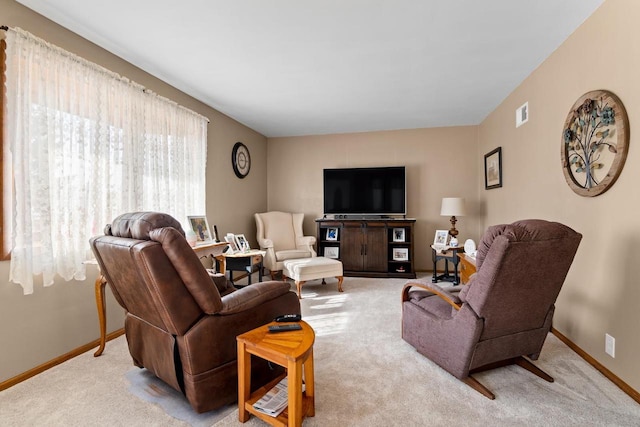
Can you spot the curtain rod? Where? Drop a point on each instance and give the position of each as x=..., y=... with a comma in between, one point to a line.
x=145, y=90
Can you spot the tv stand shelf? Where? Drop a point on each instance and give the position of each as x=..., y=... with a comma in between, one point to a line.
x=380, y=247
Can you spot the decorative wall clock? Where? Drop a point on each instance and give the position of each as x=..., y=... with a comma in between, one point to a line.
x=241, y=160
x=595, y=142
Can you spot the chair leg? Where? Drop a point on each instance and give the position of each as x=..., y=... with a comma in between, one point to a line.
x=299, y=284
x=520, y=361
x=274, y=274
x=475, y=384
x=524, y=363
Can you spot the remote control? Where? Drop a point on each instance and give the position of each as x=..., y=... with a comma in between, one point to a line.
x=284, y=328
x=288, y=318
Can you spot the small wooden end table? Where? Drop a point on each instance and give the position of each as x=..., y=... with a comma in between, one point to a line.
x=292, y=350
x=449, y=254
x=244, y=261
x=467, y=267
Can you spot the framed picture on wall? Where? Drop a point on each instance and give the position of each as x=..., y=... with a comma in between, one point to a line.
x=493, y=169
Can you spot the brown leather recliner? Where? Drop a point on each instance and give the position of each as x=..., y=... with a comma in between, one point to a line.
x=504, y=312
x=177, y=325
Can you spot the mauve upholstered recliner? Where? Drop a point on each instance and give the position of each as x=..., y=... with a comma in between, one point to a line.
x=504, y=312
x=177, y=324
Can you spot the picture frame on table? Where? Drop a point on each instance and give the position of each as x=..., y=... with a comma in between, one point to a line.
x=398, y=235
x=401, y=254
x=242, y=243
x=441, y=238
x=332, y=233
x=493, y=169
x=200, y=227
x=332, y=252
x=231, y=240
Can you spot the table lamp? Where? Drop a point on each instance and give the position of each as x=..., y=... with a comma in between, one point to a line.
x=452, y=206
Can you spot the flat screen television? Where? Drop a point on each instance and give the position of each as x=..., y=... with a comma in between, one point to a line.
x=365, y=191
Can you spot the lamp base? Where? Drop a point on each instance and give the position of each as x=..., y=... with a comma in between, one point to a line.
x=453, y=232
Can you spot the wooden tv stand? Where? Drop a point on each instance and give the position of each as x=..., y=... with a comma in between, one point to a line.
x=369, y=247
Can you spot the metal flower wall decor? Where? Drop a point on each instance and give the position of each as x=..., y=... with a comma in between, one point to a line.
x=595, y=142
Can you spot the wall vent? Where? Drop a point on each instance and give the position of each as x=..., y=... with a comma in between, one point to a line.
x=522, y=114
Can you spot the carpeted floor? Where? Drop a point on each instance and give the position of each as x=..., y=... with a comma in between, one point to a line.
x=365, y=376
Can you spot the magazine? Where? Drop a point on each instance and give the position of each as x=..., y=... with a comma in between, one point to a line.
x=275, y=400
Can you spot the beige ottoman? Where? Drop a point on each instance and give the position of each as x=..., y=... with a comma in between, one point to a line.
x=302, y=270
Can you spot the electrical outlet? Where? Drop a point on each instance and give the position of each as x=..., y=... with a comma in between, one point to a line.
x=610, y=345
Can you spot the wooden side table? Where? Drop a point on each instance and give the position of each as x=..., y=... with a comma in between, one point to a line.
x=467, y=267
x=244, y=261
x=448, y=254
x=294, y=351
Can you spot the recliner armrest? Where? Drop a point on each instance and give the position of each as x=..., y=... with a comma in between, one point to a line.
x=447, y=296
x=252, y=296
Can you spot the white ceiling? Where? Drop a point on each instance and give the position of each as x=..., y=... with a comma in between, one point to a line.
x=304, y=67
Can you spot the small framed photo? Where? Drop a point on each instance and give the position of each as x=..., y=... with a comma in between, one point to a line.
x=401, y=254
x=441, y=238
x=493, y=169
x=231, y=240
x=398, y=234
x=242, y=242
x=200, y=226
x=332, y=252
x=332, y=233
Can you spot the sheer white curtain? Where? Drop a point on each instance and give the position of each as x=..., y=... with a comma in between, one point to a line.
x=86, y=146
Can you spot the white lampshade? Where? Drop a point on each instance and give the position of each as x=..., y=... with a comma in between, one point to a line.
x=452, y=206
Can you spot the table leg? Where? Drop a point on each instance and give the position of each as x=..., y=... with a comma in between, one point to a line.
x=260, y=270
x=222, y=264
x=294, y=372
x=309, y=384
x=434, y=279
x=244, y=381
x=340, y=279
x=455, y=261
x=102, y=313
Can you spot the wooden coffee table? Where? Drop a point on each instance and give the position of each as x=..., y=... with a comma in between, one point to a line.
x=292, y=350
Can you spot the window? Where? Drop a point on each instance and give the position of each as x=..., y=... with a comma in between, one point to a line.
x=86, y=145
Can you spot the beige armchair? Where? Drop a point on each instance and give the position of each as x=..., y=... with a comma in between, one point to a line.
x=280, y=235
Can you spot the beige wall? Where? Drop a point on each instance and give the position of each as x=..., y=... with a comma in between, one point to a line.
x=440, y=162
x=601, y=293
x=55, y=320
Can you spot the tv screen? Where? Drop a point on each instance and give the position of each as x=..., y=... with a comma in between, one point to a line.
x=365, y=191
